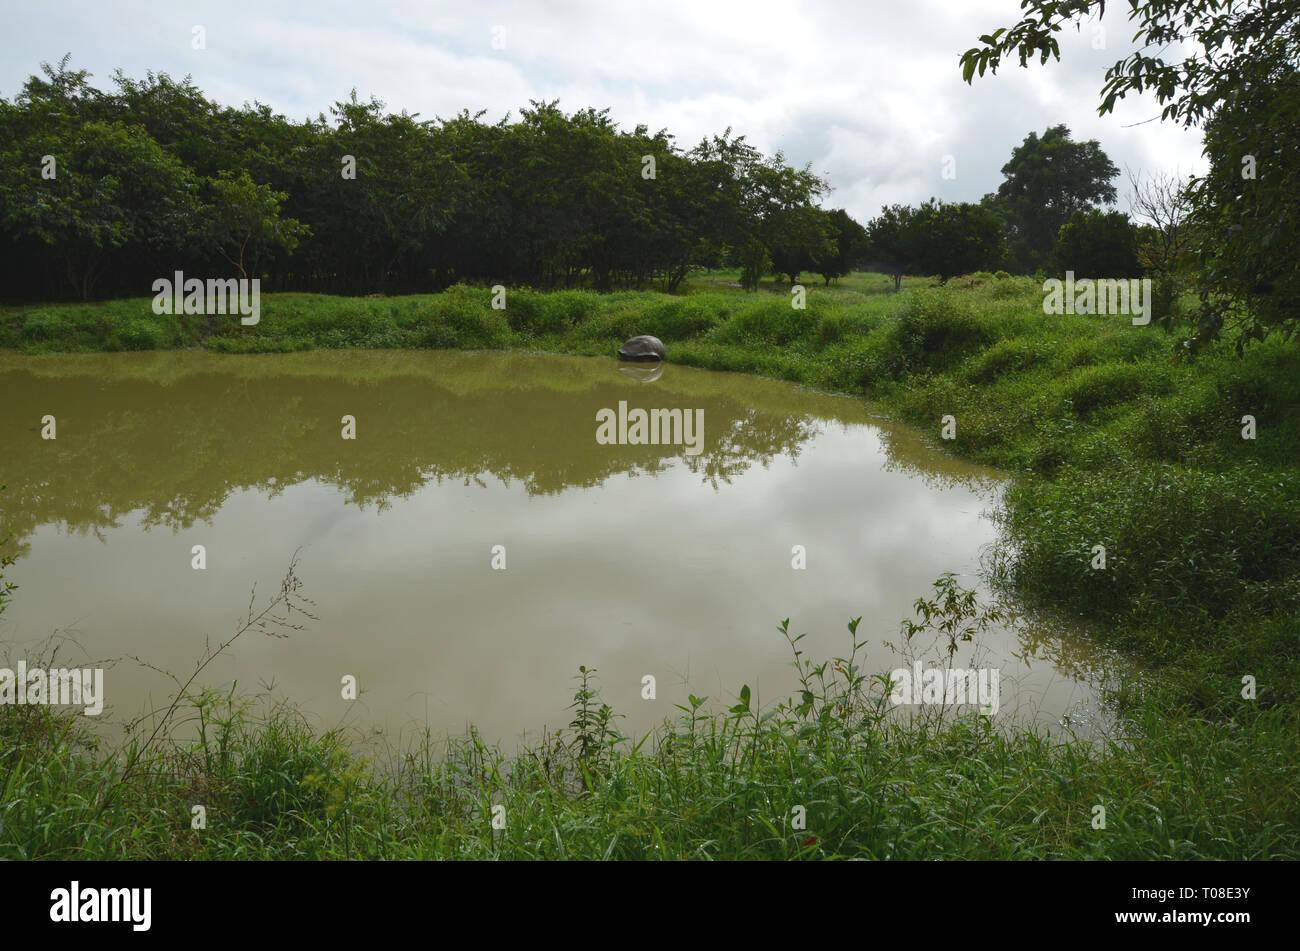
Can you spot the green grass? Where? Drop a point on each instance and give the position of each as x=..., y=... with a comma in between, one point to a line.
x=1113, y=441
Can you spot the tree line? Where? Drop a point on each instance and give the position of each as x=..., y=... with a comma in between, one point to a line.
x=102, y=192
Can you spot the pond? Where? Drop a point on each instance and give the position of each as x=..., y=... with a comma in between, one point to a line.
x=497, y=520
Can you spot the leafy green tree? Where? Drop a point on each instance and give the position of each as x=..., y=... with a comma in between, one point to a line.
x=1228, y=67
x=154, y=177
x=850, y=246
x=405, y=189
x=951, y=238
x=799, y=238
x=943, y=238
x=705, y=187
x=1244, y=215
x=113, y=187
x=780, y=201
x=1047, y=180
x=64, y=98
x=245, y=222
x=178, y=117
x=479, y=241
x=754, y=263
x=1098, y=244
x=884, y=250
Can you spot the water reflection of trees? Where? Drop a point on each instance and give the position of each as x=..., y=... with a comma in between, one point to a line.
x=174, y=450
x=749, y=437
x=905, y=449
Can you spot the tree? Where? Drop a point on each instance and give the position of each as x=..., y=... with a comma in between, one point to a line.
x=178, y=117
x=948, y=239
x=1244, y=215
x=404, y=189
x=154, y=177
x=798, y=239
x=1160, y=200
x=1098, y=244
x=1048, y=179
x=754, y=263
x=943, y=238
x=113, y=188
x=1238, y=82
x=1165, y=237
x=884, y=242
x=245, y=222
x=779, y=201
x=850, y=240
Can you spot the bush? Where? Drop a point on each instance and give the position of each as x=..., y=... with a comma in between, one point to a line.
x=772, y=322
x=1005, y=356
x=1176, y=539
x=936, y=331
x=1092, y=388
x=858, y=364
x=42, y=325
x=544, y=314
x=1012, y=287
x=682, y=319
x=754, y=263
x=1169, y=429
x=468, y=315
x=139, y=333
x=1165, y=289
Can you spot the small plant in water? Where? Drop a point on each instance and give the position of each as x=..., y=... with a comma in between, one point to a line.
x=954, y=612
x=6, y=587
x=592, y=725
x=834, y=689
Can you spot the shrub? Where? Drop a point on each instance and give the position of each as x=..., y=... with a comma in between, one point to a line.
x=682, y=319
x=469, y=318
x=556, y=312
x=936, y=331
x=1176, y=539
x=42, y=325
x=1165, y=289
x=1005, y=356
x=1092, y=388
x=754, y=263
x=771, y=321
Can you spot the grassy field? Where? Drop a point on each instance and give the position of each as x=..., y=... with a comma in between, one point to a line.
x=1112, y=439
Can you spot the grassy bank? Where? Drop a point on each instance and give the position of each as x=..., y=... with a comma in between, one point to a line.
x=1113, y=441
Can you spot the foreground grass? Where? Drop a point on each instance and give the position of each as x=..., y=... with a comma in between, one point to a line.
x=728, y=788
x=1113, y=441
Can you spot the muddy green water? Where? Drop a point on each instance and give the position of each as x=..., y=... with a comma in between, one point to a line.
x=634, y=559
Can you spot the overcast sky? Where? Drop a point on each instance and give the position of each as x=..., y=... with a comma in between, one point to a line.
x=869, y=92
